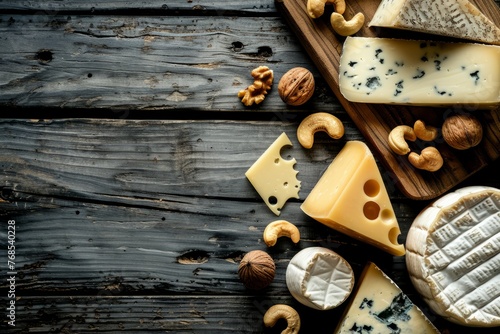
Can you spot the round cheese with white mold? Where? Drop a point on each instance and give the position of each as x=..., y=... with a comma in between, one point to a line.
x=453, y=256
x=319, y=278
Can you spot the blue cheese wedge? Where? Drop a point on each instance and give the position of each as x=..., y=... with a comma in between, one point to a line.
x=453, y=18
x=413, y=72
x=379, y=306
x=453, y=256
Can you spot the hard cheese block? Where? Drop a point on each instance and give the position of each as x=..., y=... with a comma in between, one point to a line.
x=379, y=306
x=453, y=256
x=319, y=278
x=456, y=18
x=274, y=177
x=351, y=197
x=396, y=71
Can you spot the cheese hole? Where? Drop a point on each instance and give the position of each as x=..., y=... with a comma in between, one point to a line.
x=272, y=200
x=393, y=235
x=285, y=184
x=371, y=188
x=387, y=216
x=277, y=161
x=371, y=210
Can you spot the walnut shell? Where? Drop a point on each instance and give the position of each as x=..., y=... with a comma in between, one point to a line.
x=462, y=131
x=296, y=86
x=256, y=270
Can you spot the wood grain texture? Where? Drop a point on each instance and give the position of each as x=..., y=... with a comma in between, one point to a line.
x=150, y=63
x=139, y=225
x=376, y=121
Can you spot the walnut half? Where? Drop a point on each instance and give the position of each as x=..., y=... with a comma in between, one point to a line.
x=256, y=93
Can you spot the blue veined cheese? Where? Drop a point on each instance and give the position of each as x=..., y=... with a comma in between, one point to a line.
x=379, y=306
x=397, y=71
x=454, y=18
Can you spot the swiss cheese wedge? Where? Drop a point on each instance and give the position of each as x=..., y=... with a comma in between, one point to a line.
x=351, y=197
x=274, y=177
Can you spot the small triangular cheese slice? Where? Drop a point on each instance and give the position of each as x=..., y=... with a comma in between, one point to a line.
x=274, y=177
x=379, y=306
x=351, y=197
x=455, y=18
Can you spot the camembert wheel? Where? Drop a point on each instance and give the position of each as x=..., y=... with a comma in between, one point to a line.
x=453, y=256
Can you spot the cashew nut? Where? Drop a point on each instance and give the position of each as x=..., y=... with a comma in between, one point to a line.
x=280, y=228
x=424, y=132
x=398, y=137
x=316, y=8
x=429, y=159
x=279, y=311
x=320, y=121
x=344, y=27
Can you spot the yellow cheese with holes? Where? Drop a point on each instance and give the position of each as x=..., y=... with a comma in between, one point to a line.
x=379, y=306
x=351, y=198
x=274, y=177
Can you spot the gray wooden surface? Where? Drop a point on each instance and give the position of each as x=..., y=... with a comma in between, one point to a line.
x=123, y=149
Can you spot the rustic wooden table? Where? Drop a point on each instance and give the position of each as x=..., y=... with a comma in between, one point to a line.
x=122, y=161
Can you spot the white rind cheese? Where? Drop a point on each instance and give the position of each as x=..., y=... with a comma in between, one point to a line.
x=455, y=18
x=319, y=278
x=453, y=256
x=396, y=71
x=379, y=306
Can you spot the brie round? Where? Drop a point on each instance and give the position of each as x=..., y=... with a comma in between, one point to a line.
x=453, y=256
x=319, y=278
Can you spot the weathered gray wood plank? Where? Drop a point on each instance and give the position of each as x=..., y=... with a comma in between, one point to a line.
x=107, y=312
x=162, y=7
x=146, y=63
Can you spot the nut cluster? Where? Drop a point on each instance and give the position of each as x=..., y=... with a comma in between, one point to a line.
x=343, y=27
x=460, y=131
x=429, y=158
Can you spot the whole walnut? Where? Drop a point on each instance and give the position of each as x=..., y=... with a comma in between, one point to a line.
x=256, y=270
x=296, y=86
x=462, y=131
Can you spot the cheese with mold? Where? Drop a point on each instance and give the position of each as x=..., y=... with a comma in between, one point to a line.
x=415, y=72
x=379, y=306
x=455, y=18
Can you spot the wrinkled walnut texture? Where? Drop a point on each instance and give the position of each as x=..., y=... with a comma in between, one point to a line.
x=296, y=86
x=462, y=131
x=256, y=270
x=256, y=93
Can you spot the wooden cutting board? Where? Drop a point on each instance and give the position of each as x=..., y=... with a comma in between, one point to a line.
x=375, y=122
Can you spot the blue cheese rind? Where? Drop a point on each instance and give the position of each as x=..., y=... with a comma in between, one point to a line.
x=417, y=72
x=457, y=18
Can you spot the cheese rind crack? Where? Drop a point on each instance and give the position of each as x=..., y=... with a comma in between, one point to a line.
x=351, y=198
x=273, y=177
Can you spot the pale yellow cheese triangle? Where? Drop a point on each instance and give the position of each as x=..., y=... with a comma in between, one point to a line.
x=351, y=197
x=274, y=177
x=453, y=18
x=379, y=306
